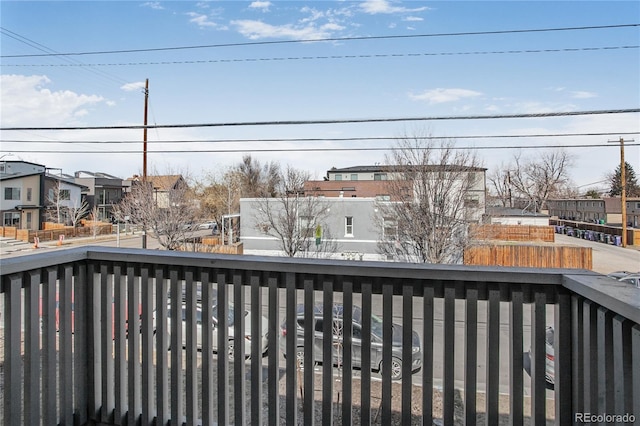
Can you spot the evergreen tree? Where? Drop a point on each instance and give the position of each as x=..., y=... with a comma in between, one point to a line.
x=615, y=182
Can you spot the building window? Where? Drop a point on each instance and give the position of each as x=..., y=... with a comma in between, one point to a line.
x=307, y=226
x=29, y=191
x=64, y=194
x=383, y=197
x=29, y=215
x=338, y=177
x=12, y=193
x=379, y=176
x=348, y=226
x=389, y=228
x=12, y=219
x=472, y=201
x=354, y=176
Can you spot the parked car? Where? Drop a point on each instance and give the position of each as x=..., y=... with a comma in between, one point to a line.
x=633, y=279
x=231, y=319
x=549, y=370
x=338, y=326
x=208, y=225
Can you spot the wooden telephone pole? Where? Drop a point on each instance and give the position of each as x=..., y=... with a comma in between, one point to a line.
x=144, y=152
x=623, y=196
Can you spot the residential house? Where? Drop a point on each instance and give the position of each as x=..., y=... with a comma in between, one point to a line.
x=607, y=210
x=22, y=192
x=104, y=191
x=509, y=216
x=64, y=198
x=162, y=186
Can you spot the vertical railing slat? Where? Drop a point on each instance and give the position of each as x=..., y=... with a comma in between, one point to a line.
x=470, y=354
x=94, y=378
x=162, y=356
x=605, y=361
x=347, y=351
x=133, y=340
x=12, y=352
x=65, y=351
x=407, y=353
x=516, y=346
x=427, y=355
x=448, y=348
x=49, y=366
x=239, y=394
x=222, y=346
x=291, y=363
x=120, y=351
x=493, y=354
x=256, y=417
x=191, y=359
x=177, y=386
x=147, y=391
x=635, y=374
x=577, y=346
x=622, y=361
x=207, y=348
x=327, y=353
x=32, y=401
x=273, y=369
x=538, y=357
x=589, y=318
x=563, y=354
x=365, y=379
x=106, y=345
x=308, y=413
x=387, y=337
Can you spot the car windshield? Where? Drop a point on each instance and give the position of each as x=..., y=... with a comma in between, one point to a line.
x=230, y=315
x=376, y=326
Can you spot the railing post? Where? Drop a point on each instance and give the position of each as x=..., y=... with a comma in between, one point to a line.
x=471, y=354
x=12, y=352
x=516, y=314
x=563, y=353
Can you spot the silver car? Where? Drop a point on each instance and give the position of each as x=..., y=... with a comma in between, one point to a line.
x=338, y=326
x=549, y=368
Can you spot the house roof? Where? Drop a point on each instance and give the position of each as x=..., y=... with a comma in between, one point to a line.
x=162, y=182
x=390, y=168
x=18, y=175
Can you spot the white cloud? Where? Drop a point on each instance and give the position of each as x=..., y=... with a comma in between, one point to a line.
x=438, y=96
x=413, y=19
x=24, y=99
x=201, y=20
x=374, y=7
x=262, y=5
x=153, y=5
x=255, y=30
x=132, y=87
x=583, y=95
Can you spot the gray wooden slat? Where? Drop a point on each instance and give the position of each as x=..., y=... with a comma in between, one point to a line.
x=516, y=346
x=427, y=356
x=290, y=343
x=365, y=379
x=577, y=344
x=256, y=349
x=407, y=352
x=471, y=354
x=32, y=401
x=347, y=352
x=162, y=344
x=387, y=335
x=493, y=354
x=538, y=356
x=148, y=386
x=622, y=361
x=563, y=355
x=106, y=345
x=327, y=353
x=273, y=369
x=308, y=414
x=448, y=348
x=12, y=361
x=177, y=386
x=635, y=374
x=223, y=346
x=133, y=340
x=605, y=361
x=191, y=360
x=239, y=394
x=207, y=348
x=93, y=347
x=49, y=376
x=590, y=353
x=80, y=341
x=120, y=344
x=65, y=345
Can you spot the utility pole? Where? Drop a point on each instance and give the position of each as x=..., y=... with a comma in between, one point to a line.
x=144, y=152
x=623, y=196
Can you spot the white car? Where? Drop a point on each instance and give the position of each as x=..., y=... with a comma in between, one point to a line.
x=208, y=225
x=550, y=369
x=231, y=318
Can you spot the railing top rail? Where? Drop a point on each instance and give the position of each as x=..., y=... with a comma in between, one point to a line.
x=297, y=265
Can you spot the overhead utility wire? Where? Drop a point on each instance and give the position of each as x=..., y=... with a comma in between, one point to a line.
x=388, y=37
x=331, y=57
x=222, y=151
x=332, y=121
x=347, y=139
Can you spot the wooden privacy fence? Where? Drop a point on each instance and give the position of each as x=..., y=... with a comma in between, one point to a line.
x=513, y=232
x=533, y=256
x=54, y=233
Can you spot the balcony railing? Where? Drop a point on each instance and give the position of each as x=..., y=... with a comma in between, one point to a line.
x=86, y=333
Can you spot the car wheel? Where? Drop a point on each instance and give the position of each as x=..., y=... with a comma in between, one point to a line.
x=396, y=368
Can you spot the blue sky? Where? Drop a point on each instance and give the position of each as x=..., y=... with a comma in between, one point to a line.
x=248, y=80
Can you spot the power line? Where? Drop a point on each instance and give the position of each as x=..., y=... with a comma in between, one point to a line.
x=331, y=121
x=341, y=39
x=315, y=149
x=345, y=139
x=331, y=57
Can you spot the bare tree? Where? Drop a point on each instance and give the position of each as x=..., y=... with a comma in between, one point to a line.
x=292, y=218
x=257, y=180
x=500, y=183
x=439, y=190
x=77, y=211
x=168, y=219
x=540, y=177
x=55, y=201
